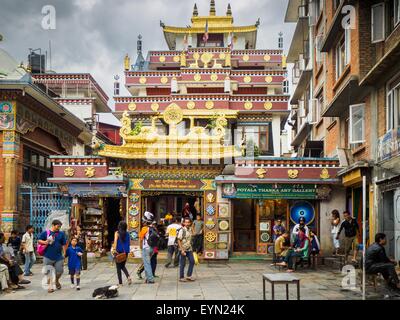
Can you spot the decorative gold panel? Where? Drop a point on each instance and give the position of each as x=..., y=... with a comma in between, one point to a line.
x=248, y=105
x=247, y=79
x=155, y=106
x=209, y=104
x=191, y=105
x=268, y=105
x=132, y=106
x=164, y=80
x=162, y=59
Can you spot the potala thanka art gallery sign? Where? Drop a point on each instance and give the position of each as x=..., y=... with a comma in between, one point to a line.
x=275, y=191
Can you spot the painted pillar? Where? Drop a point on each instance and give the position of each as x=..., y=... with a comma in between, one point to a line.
x=9, y=159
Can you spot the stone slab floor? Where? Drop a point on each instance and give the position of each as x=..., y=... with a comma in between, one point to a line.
x=231, y=281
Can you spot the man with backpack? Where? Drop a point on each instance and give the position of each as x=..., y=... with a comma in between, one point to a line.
x=186, y=250
x=150, y=238
x=52, y=245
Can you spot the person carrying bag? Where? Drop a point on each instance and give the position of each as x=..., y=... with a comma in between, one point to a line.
x=120, y=250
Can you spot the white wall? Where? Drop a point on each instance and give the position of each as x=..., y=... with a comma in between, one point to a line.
x=276, y=135
x=338, y=202
x=82, y=111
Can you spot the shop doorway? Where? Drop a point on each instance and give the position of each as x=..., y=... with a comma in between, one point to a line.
x=113, y=217
x=173, y=203
x=244, y=215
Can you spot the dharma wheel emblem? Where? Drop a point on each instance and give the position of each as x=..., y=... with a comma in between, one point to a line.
x=90, y=172
x=293, y=174
x=173, y=114
x=69, y=172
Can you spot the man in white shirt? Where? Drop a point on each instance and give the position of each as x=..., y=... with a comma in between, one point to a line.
x=172, y=232
x=28, y=250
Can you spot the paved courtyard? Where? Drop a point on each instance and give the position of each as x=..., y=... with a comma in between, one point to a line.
x=231, y=281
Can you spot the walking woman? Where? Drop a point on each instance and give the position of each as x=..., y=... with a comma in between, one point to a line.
x=120, y=251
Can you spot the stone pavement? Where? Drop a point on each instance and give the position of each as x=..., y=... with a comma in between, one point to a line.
x=230, y=281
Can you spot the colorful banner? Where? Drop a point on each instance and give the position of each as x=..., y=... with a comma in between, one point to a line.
x=96, y=190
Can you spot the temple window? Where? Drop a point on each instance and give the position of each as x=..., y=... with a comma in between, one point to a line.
x=214, y=40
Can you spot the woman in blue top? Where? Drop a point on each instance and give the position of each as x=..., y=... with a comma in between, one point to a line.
x=121, y=245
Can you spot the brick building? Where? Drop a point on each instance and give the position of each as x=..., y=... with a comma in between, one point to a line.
x=353, y=101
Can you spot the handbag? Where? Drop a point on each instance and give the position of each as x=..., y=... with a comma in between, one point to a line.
x=120, y=257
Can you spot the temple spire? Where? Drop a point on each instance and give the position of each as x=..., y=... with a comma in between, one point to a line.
x=212, y=8
x=229, y=10
x=139, y=64
x=195, y=11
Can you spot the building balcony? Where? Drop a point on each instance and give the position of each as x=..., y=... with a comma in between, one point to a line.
x=388, y=150
x=349, y=93
x=210, y=103
x=335, y=27
x=302, y=134
x=239, y=58
x=383, y=67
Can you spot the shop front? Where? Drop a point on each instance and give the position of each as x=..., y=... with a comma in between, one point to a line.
x=257, y=207
x=263, y=191
x=352, y=178
x=99, y=198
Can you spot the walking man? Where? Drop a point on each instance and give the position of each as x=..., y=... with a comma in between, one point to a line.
x=185, y=247
x=351, y=230
x=28, y=250
x=55, y=240
x=172, y=232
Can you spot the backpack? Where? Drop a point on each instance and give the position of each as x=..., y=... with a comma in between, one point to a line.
x=177, y=233
x=154, y=238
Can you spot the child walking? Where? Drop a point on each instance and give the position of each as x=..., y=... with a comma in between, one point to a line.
x=74, y=254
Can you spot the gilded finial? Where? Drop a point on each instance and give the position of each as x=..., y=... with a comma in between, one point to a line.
x=229, y=11
x=127, y=62
x=212, y=8
x=195, y=11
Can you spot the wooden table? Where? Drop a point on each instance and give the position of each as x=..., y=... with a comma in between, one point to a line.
x=281, y=278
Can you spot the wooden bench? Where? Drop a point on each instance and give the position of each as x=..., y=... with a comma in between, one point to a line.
x=281, y=278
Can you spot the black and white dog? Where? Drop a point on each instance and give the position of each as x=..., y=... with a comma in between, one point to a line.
x=105, y=292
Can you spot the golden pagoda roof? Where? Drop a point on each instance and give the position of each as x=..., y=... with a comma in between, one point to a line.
x=216, y=24
x=148, y=143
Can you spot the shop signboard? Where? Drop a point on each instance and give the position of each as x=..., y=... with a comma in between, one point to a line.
x=274, y=191
x=96, y=190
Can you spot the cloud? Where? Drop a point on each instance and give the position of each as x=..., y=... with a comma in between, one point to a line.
x=94, y=35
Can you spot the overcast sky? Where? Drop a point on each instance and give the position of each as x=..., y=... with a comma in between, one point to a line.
x=94, y=35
